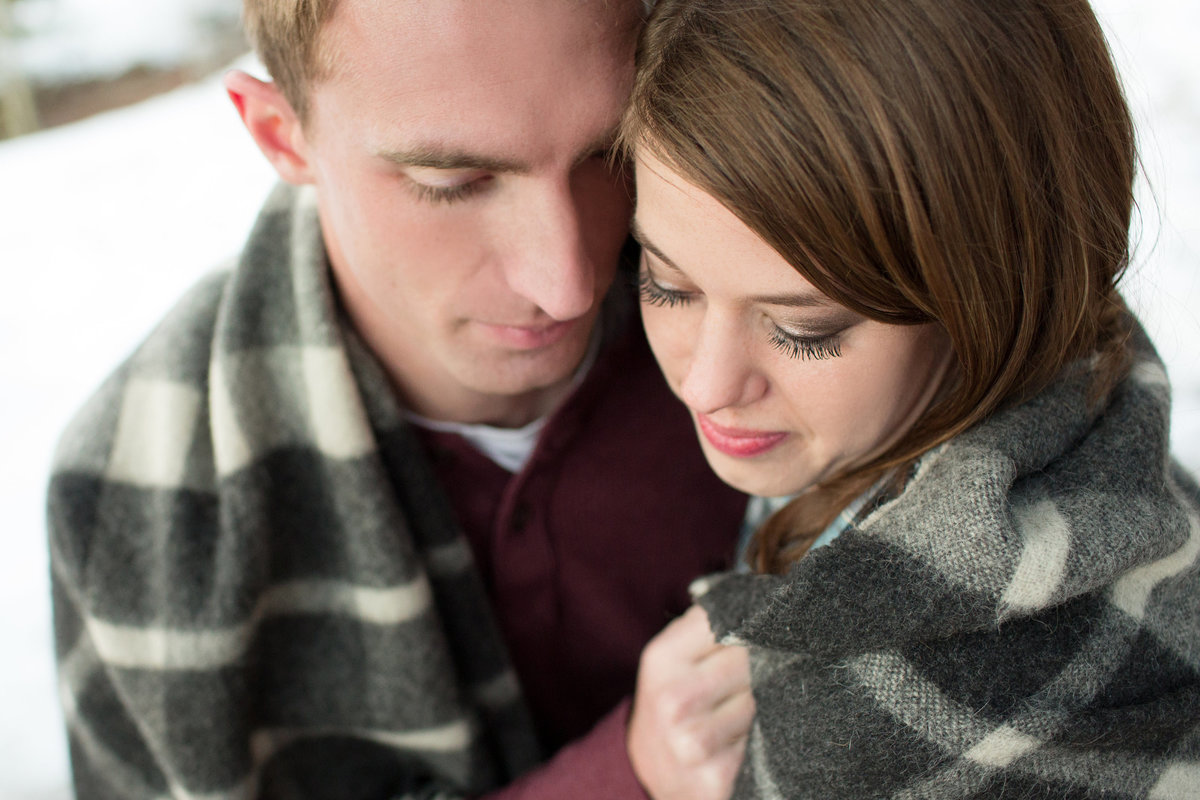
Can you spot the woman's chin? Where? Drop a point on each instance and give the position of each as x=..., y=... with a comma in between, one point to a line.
x=758, y=476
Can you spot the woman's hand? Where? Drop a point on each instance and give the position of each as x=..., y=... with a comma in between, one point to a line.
x=691, y=713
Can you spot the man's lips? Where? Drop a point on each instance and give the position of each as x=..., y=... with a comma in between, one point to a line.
x=738, y=442
x=530, y=337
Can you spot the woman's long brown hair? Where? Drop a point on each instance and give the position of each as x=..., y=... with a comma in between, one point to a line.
x=968, y=163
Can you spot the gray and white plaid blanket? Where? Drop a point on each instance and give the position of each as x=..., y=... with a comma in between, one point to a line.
x=259, y=589
x=1022, y=621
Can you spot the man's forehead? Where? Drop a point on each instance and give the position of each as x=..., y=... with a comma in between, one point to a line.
x=486, y=92
x=449, y=46
x=417, y=26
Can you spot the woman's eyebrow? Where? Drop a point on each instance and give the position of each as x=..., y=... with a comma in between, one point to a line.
x=811, y=299
x=639, y=236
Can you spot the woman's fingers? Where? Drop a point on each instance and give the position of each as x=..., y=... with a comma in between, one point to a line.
x=692, y=712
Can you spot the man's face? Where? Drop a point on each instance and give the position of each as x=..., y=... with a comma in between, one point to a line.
x=458, y=150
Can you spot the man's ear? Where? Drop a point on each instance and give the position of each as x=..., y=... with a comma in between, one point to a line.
x=272, y=123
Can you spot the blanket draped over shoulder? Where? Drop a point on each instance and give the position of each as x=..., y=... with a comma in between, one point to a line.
x=259, y=589
x=1023, y=620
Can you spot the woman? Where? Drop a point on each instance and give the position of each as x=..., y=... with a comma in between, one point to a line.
x=882, y=242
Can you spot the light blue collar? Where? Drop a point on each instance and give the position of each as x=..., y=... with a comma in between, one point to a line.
x=759, y=509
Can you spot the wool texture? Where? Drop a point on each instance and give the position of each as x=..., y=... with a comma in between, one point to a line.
x=1021, y=621
x=259, y=587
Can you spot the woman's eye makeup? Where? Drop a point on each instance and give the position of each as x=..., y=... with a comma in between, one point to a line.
x=816, y=348
x=793, y=345
x=653, y=293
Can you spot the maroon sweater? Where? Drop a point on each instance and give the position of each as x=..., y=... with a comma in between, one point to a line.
x=587, y=553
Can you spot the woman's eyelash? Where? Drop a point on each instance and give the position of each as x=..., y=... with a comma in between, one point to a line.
x=816, y=348
x=655, y=295
x=805, y=347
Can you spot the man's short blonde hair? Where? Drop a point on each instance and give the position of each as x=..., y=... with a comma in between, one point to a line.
x=287, y=36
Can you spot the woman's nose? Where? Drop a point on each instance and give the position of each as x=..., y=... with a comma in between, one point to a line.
x=721, y=372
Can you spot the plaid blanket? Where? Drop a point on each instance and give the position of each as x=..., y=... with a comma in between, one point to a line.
x=259, y=589
x=1022, y=621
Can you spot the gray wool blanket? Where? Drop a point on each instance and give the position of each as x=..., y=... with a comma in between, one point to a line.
x=1022, y=621
x=259, y=588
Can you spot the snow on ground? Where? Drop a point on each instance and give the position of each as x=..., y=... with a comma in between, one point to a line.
x=102, y=225
x=105, y=222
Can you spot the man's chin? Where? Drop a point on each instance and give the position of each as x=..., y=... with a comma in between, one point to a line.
x=509, y=373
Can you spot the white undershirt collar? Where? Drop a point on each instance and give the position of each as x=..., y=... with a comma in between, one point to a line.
x=509, y=447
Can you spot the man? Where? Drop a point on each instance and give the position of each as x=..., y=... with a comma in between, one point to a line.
x=392, y=508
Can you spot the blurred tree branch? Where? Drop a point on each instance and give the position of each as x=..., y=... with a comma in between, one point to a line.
x=18, y=114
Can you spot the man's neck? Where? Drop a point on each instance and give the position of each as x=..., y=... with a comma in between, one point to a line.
x=455, y=404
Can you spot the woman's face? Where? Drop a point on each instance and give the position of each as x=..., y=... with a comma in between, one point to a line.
x=785, y=386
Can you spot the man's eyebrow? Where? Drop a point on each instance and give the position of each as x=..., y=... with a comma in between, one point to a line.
x=813, y=299
x=444, y=158
x=437, y=157
x=601, y=145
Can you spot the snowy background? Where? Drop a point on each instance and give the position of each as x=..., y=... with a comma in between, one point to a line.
x=103, y=223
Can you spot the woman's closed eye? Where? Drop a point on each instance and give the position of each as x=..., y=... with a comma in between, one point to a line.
x=793, y=345
x=816, y=348
x=653, y=293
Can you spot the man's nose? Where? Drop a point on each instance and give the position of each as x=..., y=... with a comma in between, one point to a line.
x=549, y=264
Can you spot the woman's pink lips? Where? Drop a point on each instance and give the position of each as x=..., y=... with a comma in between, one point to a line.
x=738, y=442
